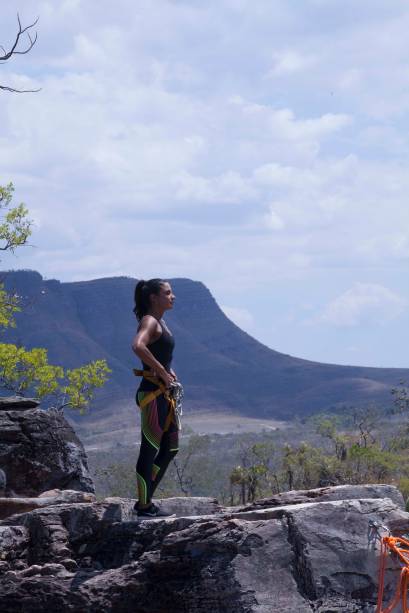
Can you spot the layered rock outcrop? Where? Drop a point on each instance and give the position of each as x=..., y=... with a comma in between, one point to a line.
x=317, y=555
x=62, y=550
x=39, y=451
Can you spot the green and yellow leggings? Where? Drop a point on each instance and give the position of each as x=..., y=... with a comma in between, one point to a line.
x=158, y=446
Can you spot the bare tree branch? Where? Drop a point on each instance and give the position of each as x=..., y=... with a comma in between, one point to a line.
x=19, y=91
x=16, y=50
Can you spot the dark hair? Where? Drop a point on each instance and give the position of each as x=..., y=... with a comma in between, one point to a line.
x=143, y=290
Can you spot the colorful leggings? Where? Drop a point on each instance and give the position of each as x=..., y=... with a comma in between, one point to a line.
x=157, y=447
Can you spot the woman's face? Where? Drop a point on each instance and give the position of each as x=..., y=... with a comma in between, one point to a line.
x=165, y=299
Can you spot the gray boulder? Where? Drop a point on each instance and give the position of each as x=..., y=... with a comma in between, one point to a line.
x=12, y=506
x=179, y=506
x=18, y=403
x=40, y=451
x=326, y=494
x=312, y=556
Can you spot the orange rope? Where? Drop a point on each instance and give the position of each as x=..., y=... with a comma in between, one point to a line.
x=400, y=547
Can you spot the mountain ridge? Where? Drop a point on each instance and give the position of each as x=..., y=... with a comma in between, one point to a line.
x=221, y=366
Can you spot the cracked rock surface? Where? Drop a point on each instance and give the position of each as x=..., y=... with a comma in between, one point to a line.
x=319, y=555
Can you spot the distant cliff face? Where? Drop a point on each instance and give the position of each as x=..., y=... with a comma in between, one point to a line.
x=220, y=366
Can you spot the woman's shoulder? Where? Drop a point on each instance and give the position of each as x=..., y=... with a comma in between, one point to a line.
x=149, y=322
x=148, y=317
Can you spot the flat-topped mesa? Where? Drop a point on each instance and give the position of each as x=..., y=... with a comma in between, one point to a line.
x=39, y=451
x=318, y=555
x=228, y=358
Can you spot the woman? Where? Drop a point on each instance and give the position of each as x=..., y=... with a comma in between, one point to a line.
x=154, y=344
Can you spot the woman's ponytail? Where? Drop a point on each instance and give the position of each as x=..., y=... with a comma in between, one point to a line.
x=143, y=291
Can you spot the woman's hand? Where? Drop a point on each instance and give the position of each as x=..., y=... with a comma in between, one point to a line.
x=166, y=377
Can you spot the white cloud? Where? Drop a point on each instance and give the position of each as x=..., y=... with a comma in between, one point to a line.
x=273, y=220
x=172, y=151
x=228, y=188
x=363, y=303
x=289, y=62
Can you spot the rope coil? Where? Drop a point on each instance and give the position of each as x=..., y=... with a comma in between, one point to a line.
x=400, y=547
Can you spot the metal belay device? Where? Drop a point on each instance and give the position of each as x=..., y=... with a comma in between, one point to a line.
x=177, y=393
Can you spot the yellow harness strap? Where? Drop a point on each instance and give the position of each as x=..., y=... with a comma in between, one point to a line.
x=152, y=395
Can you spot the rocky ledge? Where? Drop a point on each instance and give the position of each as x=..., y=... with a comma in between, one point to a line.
x=298, y=552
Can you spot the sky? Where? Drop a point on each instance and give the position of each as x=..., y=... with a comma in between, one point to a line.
x=260, y=147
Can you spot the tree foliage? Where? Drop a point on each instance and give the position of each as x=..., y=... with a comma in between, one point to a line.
x=9, y=305
x=185, y=466
x=255, y=474
x=237, y=468
x=401, y=398
x=15, y=230
x=23, y=371
x=352, y=449
x=15, y=226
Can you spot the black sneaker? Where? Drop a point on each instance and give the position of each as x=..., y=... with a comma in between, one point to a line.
x=153, y=511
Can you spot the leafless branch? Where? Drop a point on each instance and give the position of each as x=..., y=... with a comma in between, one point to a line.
x=19, y=91
x=16, y=50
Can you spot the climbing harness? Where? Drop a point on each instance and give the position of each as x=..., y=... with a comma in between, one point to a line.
x=174, y=395
x=399, y=547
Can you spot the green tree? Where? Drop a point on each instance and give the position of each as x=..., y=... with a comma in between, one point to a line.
x=82, y=382
x=401, y=398
x=255, y=476
x=23, y=371
x=189, y=462
x=371, y=464
x=238, y=478
x=365, y=421
x=366, y=454
x=15, y=229
x=327, y=427
x=305, y=466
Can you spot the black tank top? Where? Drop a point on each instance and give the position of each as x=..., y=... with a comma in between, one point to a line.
x=162, y=350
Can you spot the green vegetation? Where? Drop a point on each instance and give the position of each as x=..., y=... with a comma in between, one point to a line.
x=356, y=447
x=22, y=370
x=25, y=371
x=15, y=230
